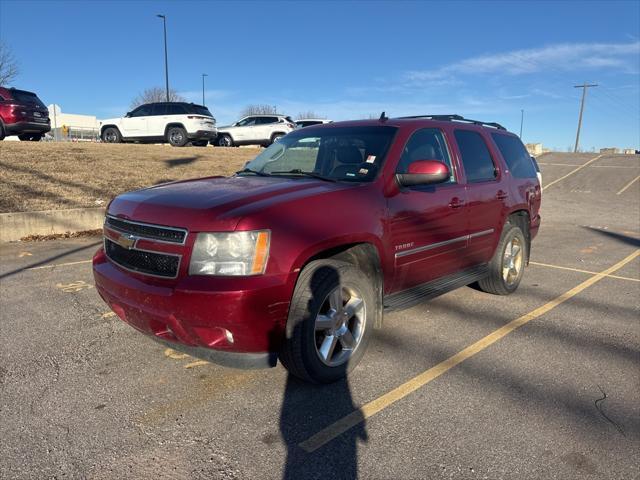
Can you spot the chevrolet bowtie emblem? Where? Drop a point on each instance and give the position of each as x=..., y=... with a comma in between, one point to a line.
x=126, y=240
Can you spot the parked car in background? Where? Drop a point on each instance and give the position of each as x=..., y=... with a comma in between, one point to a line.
x=255, y=130
x=23, y=114
x=300, y=253
x=308, y=122
x=538, y=172
x=177, y=123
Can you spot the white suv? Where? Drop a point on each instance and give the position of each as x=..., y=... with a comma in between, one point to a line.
x=174, y=122
x=255, y=130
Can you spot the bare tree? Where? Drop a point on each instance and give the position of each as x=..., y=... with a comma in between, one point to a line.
x=8, y=65
x=308, y=114
x=258, y=110
x=156, y=94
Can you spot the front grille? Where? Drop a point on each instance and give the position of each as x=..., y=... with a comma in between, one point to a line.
x=153, y=232
x=159, y=264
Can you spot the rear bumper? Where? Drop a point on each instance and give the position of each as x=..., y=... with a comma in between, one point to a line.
x=234, y=322
x=26, y=127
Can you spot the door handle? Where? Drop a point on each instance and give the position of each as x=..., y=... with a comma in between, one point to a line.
x=456, y=203
x=501, y=195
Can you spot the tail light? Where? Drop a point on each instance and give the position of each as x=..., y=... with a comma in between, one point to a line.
x=197, y=117
x=291, y=125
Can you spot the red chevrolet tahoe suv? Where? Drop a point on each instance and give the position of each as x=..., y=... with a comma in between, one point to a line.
x=22, y=113
x=298, y=255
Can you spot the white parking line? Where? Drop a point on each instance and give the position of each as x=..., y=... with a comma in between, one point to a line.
x=53, y=265
x=628, y=185
x=572, y=172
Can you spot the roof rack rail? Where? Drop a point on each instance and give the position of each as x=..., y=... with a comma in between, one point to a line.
x=457, y=118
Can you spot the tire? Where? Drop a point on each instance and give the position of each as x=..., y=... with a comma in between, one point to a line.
x=324, y=343
x=35, y=137
x=2, y=133
x=224, y=141
x=177, y=136
x=506, y=269
x=200, y=143
x=111, y=135
x=275, y=137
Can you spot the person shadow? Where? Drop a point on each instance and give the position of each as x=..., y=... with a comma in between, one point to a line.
x=306, y=410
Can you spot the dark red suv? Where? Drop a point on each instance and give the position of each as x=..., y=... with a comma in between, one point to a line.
x=297, y=256
x=22, y=114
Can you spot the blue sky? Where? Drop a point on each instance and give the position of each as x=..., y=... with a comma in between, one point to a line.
x=344, y=60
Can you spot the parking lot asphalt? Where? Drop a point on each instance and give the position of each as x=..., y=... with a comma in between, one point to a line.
x=544, y=383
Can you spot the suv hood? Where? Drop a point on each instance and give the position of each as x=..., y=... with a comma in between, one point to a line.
x=214, y=203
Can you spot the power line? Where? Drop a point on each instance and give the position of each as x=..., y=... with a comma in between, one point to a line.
x=584, y=94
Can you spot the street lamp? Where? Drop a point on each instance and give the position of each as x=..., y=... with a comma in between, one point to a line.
x=203, y=75
x=166, y=61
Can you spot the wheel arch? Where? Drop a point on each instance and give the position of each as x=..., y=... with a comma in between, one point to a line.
x=366, y=257
x=171, y=125
x=522, y=219
x=109, y=125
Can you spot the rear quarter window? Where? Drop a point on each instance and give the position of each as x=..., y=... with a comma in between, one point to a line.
x=515, y=155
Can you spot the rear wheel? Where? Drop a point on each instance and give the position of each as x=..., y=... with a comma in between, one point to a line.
x=275, y=137
x=507, y=265
x=2, y=134
x=177, y=136
x=330, y=321
x=111, y=135
x=224, y=141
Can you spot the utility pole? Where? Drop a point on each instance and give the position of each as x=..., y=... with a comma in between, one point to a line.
x=521, y=122
x=584, y=94
x=203, y=75
x=166, y=61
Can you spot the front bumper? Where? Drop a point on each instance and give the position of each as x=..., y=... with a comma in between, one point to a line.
x=203, y=135
x=237, y=322
x=26, y=127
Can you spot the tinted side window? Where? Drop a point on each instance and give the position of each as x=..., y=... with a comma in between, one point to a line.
x=476, y=158
x=516, y=156
x=175, y=110
x=266, y=120
x=158, y=109
x=247, y=122
x=425, y=144
x=142, y=111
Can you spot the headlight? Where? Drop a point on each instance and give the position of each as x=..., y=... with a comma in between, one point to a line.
x=234, y=253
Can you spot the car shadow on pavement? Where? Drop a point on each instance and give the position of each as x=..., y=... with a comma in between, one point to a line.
x=308, y=408
x=176, y=162
x=626, y=239
x=49, y=259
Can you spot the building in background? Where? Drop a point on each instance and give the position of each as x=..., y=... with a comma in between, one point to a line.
x=534, y=149
x=72, y=126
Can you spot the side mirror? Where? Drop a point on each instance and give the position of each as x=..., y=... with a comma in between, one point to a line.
x=424, y=172
x=127, y=115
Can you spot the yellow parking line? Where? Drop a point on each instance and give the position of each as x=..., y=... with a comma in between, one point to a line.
x=53, y=265
x=572, y=172
x=628, y=185
x=197, y=363
x=371, y=408
x=583, y=271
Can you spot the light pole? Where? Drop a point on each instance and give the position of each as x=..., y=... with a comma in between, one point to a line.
x=203, y=75
x=166, y=61
x=521, y=122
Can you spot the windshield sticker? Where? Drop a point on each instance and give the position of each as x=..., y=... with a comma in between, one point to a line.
x=363, y=171
x=371, y=158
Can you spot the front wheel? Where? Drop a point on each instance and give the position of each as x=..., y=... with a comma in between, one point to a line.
x=330, y=321
x=507, y=265
x=224, y=141
x=177, y=136
x=111, y=135
x=276, y=137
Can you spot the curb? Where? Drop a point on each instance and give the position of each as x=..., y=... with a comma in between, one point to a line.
x=17, y=225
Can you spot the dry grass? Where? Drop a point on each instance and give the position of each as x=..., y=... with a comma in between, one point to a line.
x=47, y=176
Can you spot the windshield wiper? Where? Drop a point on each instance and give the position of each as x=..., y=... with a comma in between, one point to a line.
x=297, y=171
x=255, y=172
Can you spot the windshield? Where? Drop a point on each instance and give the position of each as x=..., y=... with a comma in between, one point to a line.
x=353, y=154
